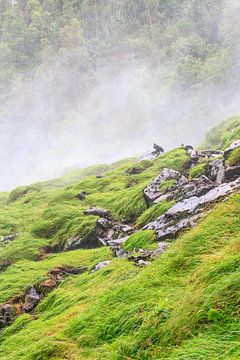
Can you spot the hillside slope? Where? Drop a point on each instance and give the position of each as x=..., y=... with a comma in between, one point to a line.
x=161, y=289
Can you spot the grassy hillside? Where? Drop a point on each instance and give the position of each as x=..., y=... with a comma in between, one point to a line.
x=184, y=305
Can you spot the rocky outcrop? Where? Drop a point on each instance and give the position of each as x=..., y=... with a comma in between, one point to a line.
x=28, y=300
x=185, y=214
x=168, y=179
x=215, y=171
x=106, y=232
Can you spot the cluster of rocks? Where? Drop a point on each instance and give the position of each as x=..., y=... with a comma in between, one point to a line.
x=191, y=197
x=27, y=301
x=107, y=232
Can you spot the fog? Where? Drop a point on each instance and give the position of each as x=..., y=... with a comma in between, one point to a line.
x=52, y=122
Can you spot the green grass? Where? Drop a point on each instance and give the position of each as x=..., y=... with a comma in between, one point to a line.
x=153, y=213
x=223, y=135
x=184, y=305
x=141, y=240
x=234, y=158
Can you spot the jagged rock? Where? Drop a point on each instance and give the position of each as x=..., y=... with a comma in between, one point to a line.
x=183, y=208
x=98, y=212
x=31, y=300
x=104, y=224
x=232, y=173
x=100, y=265
x=92, y=241
x=215, y=171
x=82, y=195
x=197, y=187
x=154, y=191
x=7, y=315
x=186, y=213
x=215, y=194
x=233, y=146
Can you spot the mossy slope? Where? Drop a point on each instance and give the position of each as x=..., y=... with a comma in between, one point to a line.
x=184, y=305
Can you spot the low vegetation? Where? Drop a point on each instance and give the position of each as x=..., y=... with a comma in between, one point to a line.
x=184, y=305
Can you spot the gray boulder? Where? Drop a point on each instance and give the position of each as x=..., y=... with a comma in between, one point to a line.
x=155, y=189
x=215, y=171
x=31, y=300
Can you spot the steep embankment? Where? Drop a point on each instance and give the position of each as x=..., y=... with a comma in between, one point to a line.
x=169, y=294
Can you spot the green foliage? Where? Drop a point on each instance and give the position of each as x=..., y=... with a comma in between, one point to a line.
x=141, y=240
x=234, y=158
x=181, y=306
x=223, y=135
x=20, y=191
x=197, y=171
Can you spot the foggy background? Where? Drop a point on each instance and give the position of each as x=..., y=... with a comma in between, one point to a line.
x=53, y=120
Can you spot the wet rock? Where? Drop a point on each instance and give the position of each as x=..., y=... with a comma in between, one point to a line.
x=92, y=241
x=154, y=190
x=215, y=194
x=183, y=208
x=233, y=146
x=100, y=265
x=82, y=195
x=31, y=300
x=232, y=173
x=7, y=315
x=197, y=187
x=98, y=212
x=215, y=171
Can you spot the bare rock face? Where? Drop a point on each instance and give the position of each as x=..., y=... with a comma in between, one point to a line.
x=233, y=146
x=185, y=214
x=232, y=173
x=197, y=187
x=215, y=171
x=90, y=242
x=156, y=188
